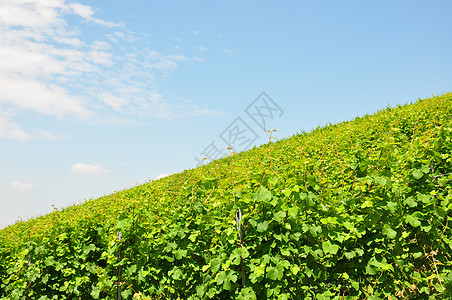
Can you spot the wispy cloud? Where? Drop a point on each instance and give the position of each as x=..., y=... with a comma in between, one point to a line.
x=22, y=186
x=202, y=48
x=83, y=168
x=161, y=175
x=86, y=12
x=229, y=52
x=48, y=136
x=48, y=67
x=10, y=130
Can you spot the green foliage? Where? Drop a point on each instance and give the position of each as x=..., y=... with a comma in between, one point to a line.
x=357, y=210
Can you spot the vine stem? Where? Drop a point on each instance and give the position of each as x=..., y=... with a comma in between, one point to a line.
x=270, y=137
x=213, y=190
x=232, y=173
x=432, y=254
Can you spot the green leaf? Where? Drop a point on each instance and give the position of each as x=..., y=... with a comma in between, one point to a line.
x=180, y=253
x=348, y=225
x=205, y=267
x=89, y=248
x=242, y=252
x=303, y=195
x=350, y=255
x=426, y=228
x=253, y=222
x=49, y=261
x=287, y=193
x=262, y=195
x=262, y=227
x=425, y=169
x=381, y=180
x=418, y=215
x=283, y=296
x=257, y=274
x=330, y=248
x=131, y=270
x=62, y=236
x=388, y=231
x=293, y=212
x=274, y=201
x=95, y=292
x=238, y=254
x=325, y=295
x=417, y=174
x=412, y=220
x=410, y=202
x=279, y=216
x=221, y=277
x=273, y=180
x=142, y=275
x=426, y=199
x=315, y=230
x=126, y=293
x=392, y=207
x=168, y=258
x=124, y=223
x=275, y=273
x=311, y=201
x=370, y=269
x=284, y=263
x=294, y=269
x=317, y=253
x=176, y=273
x=216, y=264
x=247, y=294
x=384, y=266
x=226, y=279
x=200, y=291
x=45, y=279
x=285, y=252
x=193, y=237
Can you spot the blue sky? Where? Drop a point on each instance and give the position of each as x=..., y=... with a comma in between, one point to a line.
x=98, y=96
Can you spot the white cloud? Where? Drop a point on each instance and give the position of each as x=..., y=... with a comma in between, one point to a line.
x=10, y=130
x=29, y=13
x=48, y=136
x=86, y=12
x=100, y=57
x=113, y=101
x=100, y=45
x=161, y=175
x=83, y=11
x=48, y=67
x=88, y=169
x=229, y=52
x=69, y=41
x=202, y=48
x=48, y=99
x=22, y=186
x=168, y=63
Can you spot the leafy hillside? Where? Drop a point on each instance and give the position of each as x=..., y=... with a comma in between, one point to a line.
x=356, y=210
